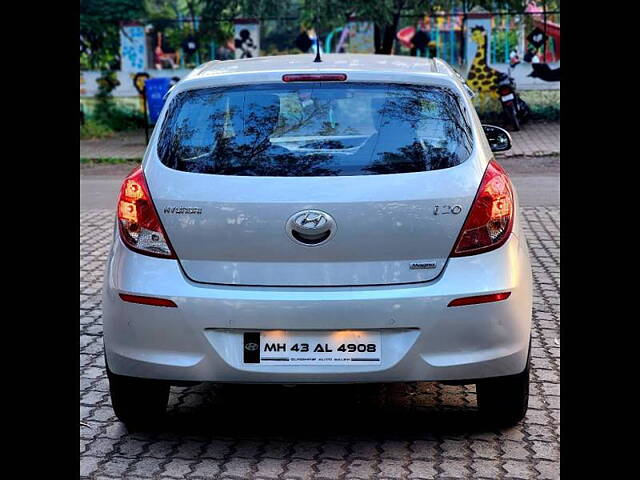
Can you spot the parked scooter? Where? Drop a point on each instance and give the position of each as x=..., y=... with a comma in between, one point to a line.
x=514, y=108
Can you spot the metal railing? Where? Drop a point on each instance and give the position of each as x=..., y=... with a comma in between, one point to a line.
x=446, y=30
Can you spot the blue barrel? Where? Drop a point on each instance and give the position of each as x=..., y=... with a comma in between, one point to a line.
x=156, y=88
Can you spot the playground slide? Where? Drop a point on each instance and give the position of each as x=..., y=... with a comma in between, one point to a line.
x=405, y=35
x=552, y=29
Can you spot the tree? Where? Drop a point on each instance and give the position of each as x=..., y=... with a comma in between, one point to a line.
x=325, y=15
x=100, y=30
x=216, y=16
x=385, y=15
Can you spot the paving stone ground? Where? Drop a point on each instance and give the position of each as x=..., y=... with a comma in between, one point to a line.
x=539, y=138
x=412, y=431
x=535, y=139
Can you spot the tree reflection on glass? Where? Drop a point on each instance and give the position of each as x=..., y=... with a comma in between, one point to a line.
x=347, y=129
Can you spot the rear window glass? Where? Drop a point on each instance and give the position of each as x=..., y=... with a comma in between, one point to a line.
x=314, y=129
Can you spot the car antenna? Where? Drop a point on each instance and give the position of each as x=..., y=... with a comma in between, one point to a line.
x=317, y=18
x=317, y=59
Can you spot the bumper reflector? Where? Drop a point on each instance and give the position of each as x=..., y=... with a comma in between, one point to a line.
x=158, y=302
x=494, y=297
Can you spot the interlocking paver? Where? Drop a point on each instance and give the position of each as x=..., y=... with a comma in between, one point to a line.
x=270, y=468
x=422, y=469
x=421, y=430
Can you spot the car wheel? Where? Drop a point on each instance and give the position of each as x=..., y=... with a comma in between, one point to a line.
x=503, y=401
x=138, y=402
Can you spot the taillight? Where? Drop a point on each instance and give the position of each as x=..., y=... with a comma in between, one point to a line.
x=314, y=77
x=490, y=220
x=504, y=90
x=140, y=227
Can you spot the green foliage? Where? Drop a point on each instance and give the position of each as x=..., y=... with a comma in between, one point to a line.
x=164, y=8
x=120, y=118
x=99, y=20
x=544, y=104
x=105, y=106
x=94, y=129
x=104, y=100
x=491, y=5
x=110, y=161
x=326, y=15
x=107, y=115
x=100, y=30
x=498, y=38
x=384, y=12
x=114, y=118
x=385, y=15
x=217, y=15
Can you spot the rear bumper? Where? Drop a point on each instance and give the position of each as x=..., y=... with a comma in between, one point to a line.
x=422, y=338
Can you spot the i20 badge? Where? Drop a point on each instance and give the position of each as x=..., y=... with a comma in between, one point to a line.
x=447, y=209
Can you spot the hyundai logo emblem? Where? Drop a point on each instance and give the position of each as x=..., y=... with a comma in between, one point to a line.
x=311, y=227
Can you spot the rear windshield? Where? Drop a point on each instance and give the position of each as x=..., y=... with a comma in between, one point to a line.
x=314, y=129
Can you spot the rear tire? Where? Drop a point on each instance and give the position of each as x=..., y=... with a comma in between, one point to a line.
x=503, y=401
x=138, y=402
x=513, y=117
x=525, y=111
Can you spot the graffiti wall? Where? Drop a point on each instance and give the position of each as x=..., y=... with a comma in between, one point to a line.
x=89, y=84
x=247, y=38
x=360, y=37
x=472, y=45
x=483, y=48
x=526, y=63
x=525, y=76
x=133, y=52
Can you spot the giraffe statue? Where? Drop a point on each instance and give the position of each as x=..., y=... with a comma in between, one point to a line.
x=481, y=77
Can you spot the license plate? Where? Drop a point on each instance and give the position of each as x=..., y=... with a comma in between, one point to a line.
x=507, y=97
x=341, y=347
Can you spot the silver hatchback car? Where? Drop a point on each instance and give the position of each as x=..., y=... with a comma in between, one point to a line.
x=341, y=221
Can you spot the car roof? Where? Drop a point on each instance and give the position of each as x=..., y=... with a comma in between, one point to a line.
x=358, y=67
x=330, y=62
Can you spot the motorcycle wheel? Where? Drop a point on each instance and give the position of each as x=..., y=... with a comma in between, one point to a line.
x=525, y=111
x=512, y=115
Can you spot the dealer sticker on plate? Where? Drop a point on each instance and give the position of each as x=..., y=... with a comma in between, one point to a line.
x=340, y=347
